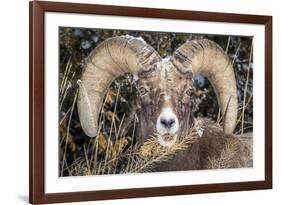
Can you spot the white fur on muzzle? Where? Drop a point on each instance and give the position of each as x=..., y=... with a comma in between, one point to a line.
x=167, y=124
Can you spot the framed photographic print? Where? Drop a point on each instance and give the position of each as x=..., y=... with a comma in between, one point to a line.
x=139, y=102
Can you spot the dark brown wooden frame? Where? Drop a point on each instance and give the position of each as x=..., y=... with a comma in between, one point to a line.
x=37, y=95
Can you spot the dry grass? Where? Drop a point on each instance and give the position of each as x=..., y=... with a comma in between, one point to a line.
x=245, y=92
x=122, y=156
x=230, y=157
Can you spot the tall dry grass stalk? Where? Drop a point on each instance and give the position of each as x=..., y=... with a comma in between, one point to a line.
x=245, y=92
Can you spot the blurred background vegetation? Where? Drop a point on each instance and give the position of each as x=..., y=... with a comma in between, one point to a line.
x=75, y=44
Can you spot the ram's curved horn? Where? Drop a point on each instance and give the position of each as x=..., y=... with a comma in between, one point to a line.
x=208, y=58
x=112, y=58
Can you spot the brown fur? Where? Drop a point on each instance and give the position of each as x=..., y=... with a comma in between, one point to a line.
x=160, y=82
x=214, y=150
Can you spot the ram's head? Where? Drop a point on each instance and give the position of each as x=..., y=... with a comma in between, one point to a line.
x=164, y=85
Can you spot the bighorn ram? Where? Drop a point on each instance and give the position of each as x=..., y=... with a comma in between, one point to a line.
x=164, y=86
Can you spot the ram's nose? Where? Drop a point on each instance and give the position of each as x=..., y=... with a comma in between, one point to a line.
x=167, y=122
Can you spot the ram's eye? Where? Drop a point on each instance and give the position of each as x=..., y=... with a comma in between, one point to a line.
x=189, y=91
x=142, y=91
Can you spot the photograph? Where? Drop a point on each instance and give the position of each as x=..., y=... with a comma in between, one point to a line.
x=133, y=101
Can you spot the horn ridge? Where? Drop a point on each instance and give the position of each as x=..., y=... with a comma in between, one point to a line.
x=208, y=58
x=113, y=57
